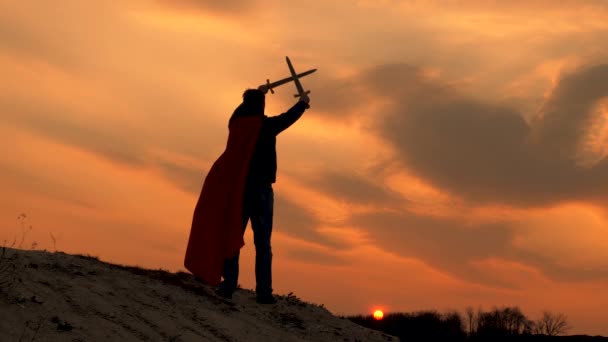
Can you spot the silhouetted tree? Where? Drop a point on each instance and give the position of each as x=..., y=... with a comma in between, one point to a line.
x=503, y=324
x=506, y=321
x=453, y=324
x=470, y=316
x=418, y=326
x=551, y=324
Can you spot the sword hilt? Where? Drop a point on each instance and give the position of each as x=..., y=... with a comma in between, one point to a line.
x=268, y=86
x=306, y=92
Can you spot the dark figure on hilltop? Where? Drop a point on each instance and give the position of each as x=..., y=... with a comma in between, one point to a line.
x=237, y=189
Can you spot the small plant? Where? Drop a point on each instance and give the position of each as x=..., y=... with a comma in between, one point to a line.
x=25, y=228
x=7, y=268
x=8, y=259
x=54, y=242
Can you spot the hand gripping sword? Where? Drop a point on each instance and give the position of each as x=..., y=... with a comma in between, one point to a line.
x=301, y=92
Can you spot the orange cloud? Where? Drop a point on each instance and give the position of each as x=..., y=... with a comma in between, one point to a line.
x=571, y=235
x=415, y=165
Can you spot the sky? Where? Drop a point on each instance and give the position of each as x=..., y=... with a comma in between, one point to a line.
x=454, y=153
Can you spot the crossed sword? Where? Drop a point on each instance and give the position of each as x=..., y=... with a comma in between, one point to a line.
x=294, y=77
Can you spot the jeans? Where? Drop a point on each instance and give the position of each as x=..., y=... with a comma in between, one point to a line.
x=257, y=207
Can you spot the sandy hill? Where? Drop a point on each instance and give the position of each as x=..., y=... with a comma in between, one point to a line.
x=60, y=297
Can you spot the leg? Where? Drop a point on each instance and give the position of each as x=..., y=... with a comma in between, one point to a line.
x=231, y=276
x=261, y=223
x=231, y=266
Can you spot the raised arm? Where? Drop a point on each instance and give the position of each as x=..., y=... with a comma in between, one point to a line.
x=279, y=123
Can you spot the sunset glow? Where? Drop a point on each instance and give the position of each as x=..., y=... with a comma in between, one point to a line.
x=378, y=314
x=455, y=153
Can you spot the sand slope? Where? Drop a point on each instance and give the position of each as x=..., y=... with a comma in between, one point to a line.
x=59, y=297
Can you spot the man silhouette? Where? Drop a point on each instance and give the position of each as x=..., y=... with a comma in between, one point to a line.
x=238, y=189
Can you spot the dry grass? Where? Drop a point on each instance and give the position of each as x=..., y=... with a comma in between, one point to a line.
x=8, y=269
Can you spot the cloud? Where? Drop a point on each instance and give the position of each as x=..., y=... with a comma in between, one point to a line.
x=112, y=143
x=335, y=96
x=566, y=115
x=317, y=256
x=353, y=188
x=298, y=222
x=523, y=5
x=574, y=235
x=74, y=40
x=455, y=247
x=485, y=151
x=445, y=244
x=122, y=143
x=31, y=180
x=187, y=178
x=238, y=7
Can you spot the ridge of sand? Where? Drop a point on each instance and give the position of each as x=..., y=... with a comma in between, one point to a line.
x=53, y=296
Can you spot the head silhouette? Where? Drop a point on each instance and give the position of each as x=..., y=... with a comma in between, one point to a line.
x=254, y=101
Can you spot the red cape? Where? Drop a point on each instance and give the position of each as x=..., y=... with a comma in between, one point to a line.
x=217, y=224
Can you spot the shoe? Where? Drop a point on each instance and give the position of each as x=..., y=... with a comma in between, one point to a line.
x=224, y=293
x=266, y=299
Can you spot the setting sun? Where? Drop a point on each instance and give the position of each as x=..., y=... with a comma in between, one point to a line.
x=378, y=314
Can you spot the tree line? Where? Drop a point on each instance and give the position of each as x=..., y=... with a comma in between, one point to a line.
x=497, y=324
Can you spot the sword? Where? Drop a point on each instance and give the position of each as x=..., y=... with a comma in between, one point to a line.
x=301, y=92
x=275, y=84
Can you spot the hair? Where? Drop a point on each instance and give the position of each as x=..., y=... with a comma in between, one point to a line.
x=253, y=97
x=253, y=104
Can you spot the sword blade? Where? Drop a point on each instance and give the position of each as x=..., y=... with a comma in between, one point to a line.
x=290, y=78
x=296, y=80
